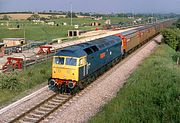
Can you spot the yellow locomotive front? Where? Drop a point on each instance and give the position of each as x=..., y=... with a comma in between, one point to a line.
x=64, y=73
x=65, y=69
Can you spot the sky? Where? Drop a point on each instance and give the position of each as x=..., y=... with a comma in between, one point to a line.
x=99, y=6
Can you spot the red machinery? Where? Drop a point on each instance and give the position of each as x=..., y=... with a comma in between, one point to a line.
x=45, y=50
x=15, y=63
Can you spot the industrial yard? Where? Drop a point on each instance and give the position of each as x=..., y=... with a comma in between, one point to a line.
x=74, y=66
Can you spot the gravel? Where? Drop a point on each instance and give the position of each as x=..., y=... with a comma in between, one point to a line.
x=86, y=104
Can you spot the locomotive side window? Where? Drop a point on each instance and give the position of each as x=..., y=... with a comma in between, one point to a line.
x=59, y=60
x=94, y=48
x=88, y=51
x=71, y=61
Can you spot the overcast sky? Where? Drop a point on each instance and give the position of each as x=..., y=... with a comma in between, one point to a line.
x=102, y=6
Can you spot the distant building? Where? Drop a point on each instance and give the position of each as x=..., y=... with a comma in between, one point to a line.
x=98, y=18
x=108, y=22
x=72, y=33
x=2, y=49
x=76, y=26
x=95, y=24
x=13, y=41
x=52, y=23
x=38, y=21
x=65, y=24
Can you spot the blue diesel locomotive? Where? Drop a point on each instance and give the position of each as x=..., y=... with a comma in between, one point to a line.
x=75, y=66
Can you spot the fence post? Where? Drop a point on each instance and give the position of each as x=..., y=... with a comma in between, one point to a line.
x=178, y=61
x=24, y=62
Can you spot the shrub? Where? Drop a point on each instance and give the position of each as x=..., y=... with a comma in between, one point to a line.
x=175, y=57
x=170, y=38
x=10, y=82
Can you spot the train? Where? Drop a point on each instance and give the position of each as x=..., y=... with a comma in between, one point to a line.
x=74, y=67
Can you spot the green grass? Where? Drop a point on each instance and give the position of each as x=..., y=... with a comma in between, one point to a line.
x=39, y=31
x=151, y=94
x=16, y=84
x=45, y=32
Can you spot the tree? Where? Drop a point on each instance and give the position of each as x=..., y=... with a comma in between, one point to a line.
x=69, y=15
x=5, y=17
x=177, y=24
x=34, y=17
x=53, y=17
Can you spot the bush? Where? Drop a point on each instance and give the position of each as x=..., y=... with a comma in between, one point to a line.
x=171, y=38
x=5, y=17
x=175, y=57
x=10, y=82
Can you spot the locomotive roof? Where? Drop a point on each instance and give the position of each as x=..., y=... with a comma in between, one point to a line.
x=79, y=50
x=74, y=51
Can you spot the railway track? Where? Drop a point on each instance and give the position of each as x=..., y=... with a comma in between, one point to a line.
x=43, y=109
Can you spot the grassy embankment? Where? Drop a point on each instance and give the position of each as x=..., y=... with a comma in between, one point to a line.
x=151, y=94
x=17, y=84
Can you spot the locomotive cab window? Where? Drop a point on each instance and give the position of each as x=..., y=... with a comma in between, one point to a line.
x=59, y=60
x=71, y=61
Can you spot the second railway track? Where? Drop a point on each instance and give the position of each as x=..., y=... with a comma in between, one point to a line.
x=42, y=110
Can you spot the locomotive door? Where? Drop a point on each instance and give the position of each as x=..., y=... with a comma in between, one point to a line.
x=85, y=65
x=86, y=69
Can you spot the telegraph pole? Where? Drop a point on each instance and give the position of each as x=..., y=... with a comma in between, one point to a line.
x=71, y=14
x=24, y=32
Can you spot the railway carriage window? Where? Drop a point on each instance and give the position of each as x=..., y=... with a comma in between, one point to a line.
x=59, y=60
x=71, y=61
x=88, y=51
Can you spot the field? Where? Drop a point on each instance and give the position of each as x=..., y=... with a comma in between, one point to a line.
x=151, y=94
x=21, y=16
x=36, y=31
x=44, y=32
